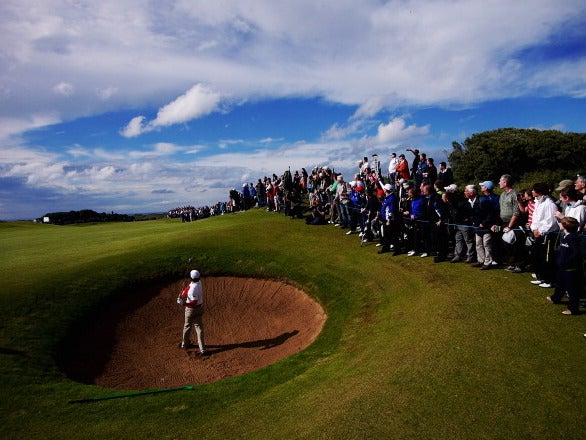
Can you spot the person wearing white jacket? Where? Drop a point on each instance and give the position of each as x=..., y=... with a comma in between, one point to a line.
x=544, y=227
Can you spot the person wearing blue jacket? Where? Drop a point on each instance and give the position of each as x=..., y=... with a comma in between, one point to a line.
x=388, y=216
x=417, y=218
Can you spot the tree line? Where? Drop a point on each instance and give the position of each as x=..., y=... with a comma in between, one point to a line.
x=85, y=216
x=525, y=154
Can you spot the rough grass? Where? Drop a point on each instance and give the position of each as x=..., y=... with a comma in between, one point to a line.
x=411, y=349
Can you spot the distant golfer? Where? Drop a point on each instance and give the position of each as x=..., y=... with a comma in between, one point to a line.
x=192, y=299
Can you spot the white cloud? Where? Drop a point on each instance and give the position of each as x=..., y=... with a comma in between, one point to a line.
x=358, y=53
x=161, y=149
x=106, y=93
x=64, y=89
x=397, y=130
x=134, y=128
x=195, y=103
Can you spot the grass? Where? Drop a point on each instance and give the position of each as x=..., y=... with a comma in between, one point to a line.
x=411, y=349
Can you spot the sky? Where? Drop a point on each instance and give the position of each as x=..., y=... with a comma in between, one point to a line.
x=141, y=106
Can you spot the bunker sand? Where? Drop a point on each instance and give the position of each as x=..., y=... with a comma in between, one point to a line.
x=249, y=324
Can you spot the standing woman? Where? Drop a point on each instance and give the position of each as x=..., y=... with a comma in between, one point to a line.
x=192, y=299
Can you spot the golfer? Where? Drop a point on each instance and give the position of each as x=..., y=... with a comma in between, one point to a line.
x=192, y=299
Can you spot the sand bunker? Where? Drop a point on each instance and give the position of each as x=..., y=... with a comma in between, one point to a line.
x=249, y=324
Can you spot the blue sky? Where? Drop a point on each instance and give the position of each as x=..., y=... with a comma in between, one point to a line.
x=142, y=106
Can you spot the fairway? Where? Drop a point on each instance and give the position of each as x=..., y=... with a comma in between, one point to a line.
x=410, y=349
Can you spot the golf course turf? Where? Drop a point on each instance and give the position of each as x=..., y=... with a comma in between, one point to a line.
x=410, y=349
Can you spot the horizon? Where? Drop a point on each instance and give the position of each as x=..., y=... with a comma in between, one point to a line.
x=135, y=108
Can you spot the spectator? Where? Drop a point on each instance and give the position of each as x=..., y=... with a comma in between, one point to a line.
x=526, y=207
x=574, y=207
x=357, y=198
x=261, y=194
x=375, y=164
x=415, y=162
x=509, y=221
x=544, y=228
x=569, y=277
x=369, y=216
x=415, y=218
x=460, y=210
x=402, y=169
x=445, y=175
x=563, y=184
x=317, y=215
x=342, y=200
x=421, y=171
x=393, y=163
x=246, y=202
x=487, y=216
x=580, y=185
x=431, y=174
x=364, y=166
x=388, y=216
x=440, y=226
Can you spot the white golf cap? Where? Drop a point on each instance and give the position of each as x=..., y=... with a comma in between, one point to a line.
x=194, y=274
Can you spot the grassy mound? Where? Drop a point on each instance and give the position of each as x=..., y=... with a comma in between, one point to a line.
x=411, y=349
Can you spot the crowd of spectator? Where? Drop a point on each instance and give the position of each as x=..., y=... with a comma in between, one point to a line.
x=416, y=209
x=190, y=213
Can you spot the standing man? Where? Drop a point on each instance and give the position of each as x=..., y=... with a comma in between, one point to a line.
x=465, y=242
x=393, y=169
x=509, y=214
x=431, y=173
x=421, y=171
x=445, y=174
x=487, y=217
x=375, y=166
x=415, y=162
x=192, y=299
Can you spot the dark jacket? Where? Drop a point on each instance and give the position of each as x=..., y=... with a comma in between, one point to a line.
x=569, y=256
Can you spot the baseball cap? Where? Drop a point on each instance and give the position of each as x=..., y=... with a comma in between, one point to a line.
x=452, y=187
x=387, y=187
x=487, y=183
x=194, y=274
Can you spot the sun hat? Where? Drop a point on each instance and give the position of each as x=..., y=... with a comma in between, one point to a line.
x=564, y=184
x=509, y=237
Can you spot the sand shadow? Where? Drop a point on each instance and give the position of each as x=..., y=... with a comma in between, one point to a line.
x=263, y=344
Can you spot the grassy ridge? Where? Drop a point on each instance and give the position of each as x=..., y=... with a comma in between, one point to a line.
x=411, y=349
